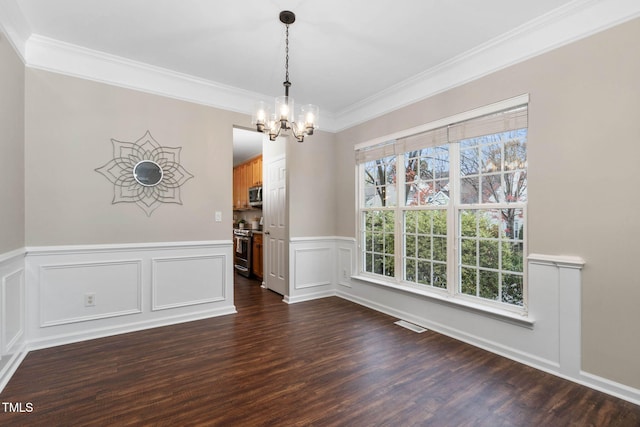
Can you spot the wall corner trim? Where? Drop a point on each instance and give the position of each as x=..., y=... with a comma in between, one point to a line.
x=566, y=261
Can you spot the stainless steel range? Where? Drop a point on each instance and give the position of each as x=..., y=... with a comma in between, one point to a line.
x=242, y=253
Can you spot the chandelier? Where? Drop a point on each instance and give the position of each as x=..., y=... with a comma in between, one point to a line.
x=283, y=119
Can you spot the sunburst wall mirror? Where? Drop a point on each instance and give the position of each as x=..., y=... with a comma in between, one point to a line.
x=145, y=173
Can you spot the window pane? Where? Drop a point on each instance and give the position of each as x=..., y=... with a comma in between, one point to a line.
x=368, y=241
x=468, y=223
x=378, y=264
x=389, y=266
x=512, y=256
x=424, y=272
x=468, y=252
x=427, y=173
x=515, y=151
x=494, y=254
x=468, y=281
x=378, y=247
x=441, y=162
x=489, y=284
x=488, y=223
x=439, y=275
x=515, y=189
x=410, y=245
x=491, y=158
x=440, y=222
x=492, y=191
x=410, y=270
x=424, y=247
x=512, y=224
x=389, y=243
x=502, y=173
x=424, y=222
x=488, y=254
x=410, y=221
x=440, y=248
x=469, y=161
x=512, y=289
x=470, y=188
x=379, y=182
x=378, y=242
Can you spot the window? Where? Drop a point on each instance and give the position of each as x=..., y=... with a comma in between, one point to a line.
x=444, y=210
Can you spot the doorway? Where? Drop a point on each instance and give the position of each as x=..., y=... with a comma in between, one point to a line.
x=271, y=235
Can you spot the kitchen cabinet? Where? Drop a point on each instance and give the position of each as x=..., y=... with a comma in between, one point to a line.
x=246, y=175
x=257, y=261
x=256, y=171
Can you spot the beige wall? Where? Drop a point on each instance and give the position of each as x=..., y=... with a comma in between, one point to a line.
x=11, y=148
x=70, y=124
x=584, y=146
x=311, y=186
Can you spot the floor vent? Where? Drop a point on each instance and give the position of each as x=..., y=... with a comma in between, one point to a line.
x=411, y=326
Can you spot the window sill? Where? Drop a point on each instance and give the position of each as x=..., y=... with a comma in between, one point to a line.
x=517, y=319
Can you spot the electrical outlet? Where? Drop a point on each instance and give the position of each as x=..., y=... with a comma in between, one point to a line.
x=218, y=216
x=344, y=273
x=89, y=300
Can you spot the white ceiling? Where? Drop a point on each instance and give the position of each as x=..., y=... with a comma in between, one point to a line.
x=246, y=145
x=355, y=59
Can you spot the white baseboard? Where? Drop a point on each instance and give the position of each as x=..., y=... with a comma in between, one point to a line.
x=11, y=364
x=95, y=333
x=610, y=387
x=309, y=296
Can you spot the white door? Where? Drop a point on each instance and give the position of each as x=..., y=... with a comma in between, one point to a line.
x=275, y=226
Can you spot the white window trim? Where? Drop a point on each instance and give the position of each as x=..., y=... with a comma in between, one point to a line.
x=515, y=314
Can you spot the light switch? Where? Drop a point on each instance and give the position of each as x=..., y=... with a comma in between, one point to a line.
x=218, y=216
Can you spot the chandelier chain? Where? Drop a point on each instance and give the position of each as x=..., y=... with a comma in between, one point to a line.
x=286, y=65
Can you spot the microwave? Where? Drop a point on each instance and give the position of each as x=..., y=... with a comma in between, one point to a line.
x=255, y=196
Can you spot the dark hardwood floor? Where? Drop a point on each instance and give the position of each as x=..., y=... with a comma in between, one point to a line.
x=327, y=362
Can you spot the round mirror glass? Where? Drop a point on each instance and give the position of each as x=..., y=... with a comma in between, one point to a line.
x=147, y=173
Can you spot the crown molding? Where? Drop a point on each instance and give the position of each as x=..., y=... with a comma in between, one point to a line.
x=53, y=55
x=14, y=26
x=575, y=20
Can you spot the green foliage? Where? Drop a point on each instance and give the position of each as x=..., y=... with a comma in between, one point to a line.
x=494, y=262
x=426, y=247
x=379, y=234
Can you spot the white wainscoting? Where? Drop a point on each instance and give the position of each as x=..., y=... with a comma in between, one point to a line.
x=311, y=268
x=13, y=346
x=195, y=288
x=549, y=339
x=133, y=287
x=115, y=287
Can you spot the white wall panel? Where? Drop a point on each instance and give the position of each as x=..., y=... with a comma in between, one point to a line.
x=312, y=270
x=346, y=261
x=13, y=346
x=13, y=312
x=115, y=285
x=312, y=267
x=171, y=287
x=136, y=286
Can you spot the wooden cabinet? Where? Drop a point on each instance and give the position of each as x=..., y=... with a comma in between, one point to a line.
x=256, y=171
x=257, y=261
x=245, y=176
